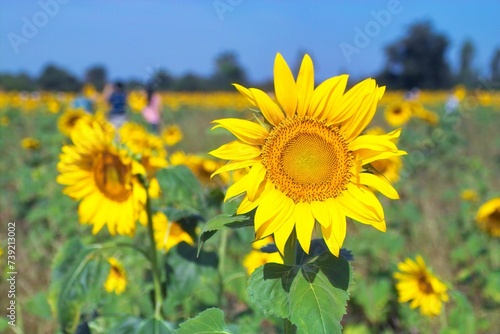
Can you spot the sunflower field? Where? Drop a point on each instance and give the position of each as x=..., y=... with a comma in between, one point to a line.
x=332, y=207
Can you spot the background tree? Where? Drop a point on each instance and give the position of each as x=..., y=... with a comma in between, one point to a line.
x=495, y=68
x=466, y=74
x=57, y=79
x=97, y=76
x=162, y=80
x=417, y=60
x=17, y=82
x=228, y=71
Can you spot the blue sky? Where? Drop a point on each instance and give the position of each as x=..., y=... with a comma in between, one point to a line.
x=133, y=38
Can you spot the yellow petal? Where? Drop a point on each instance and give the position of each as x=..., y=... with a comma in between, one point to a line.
x=236, y=165
x=285, y=213
x=361, y=102
x=247, y=206
x=321, y=213
x=236, y=150
x=268, y=108
x=268, y=209
x=321, y=96
x=281, y=236
x=305, y=85
x=284, y=86
x=304, y=224
x=255, y=178
x=237, y=188
x=246, y=93
x=246, y=131
x=361, y=204
x=378, y=183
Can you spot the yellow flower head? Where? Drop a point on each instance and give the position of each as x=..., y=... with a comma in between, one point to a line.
x=148, y=146
x=398, y=114
x=104, y=178
x=469, y=195
x=488, y=217
x=167, y=234
x=460, y=92
x=137, y=100
x=117, y=278
x=256, y=258
x=70, y=118
x=4, y=120
x=29, y=143
x=171, y=135
x=417, y=285
x=307, y=157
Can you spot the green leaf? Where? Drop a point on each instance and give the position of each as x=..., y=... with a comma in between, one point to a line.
x=153, y=326
x=220, y=222
x=182, y=188
x=318, y=297
x=313, y=296
x=39, y=306
x=373, y=297
x=461, y=317
x=268, y=292
x=76, y=280
x=210, y=321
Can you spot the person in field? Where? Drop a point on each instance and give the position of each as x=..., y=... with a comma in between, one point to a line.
x=151, y=112
x=116, y=97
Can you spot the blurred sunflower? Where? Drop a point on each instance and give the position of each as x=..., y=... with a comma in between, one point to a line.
x=4, y=120
x=117, y=278
x=149, y=148
x=137, y=100
x=398, y=114
x=167, y=234
x=68, y=120
x=418, y=285
x=419, y=111
x=257, y=258
x=306, y=163
x=171, y=135
x=104, y=178
x=29, y=143
x=488, y=217
x=469, y=195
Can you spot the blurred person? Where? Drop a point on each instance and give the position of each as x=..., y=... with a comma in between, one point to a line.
x=82, y=101
x=151, y=112
x=116, y=97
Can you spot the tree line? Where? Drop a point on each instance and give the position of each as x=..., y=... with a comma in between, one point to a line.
x=417, y=60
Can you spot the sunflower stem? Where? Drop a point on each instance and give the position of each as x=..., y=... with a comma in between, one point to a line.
x=154, y=261
x=222, y=261
x=289, y=258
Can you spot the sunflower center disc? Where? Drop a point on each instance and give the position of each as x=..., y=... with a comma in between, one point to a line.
x=307, y=160
x=111, y=177
x=424, y=285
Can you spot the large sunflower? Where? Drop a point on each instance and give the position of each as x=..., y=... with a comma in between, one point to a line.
x=417, y=285
x=307, y=159
x=104, y=178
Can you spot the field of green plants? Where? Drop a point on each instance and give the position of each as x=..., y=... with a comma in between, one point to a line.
x=70, y=280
